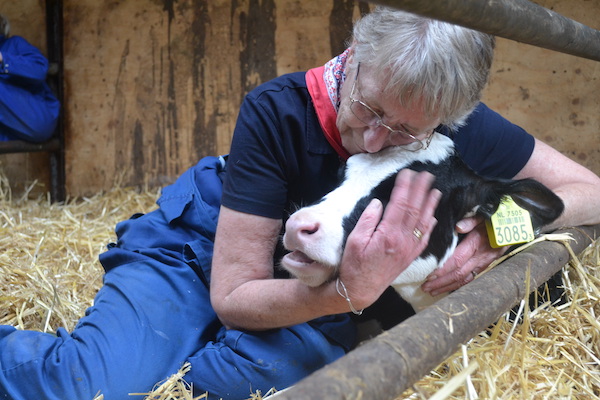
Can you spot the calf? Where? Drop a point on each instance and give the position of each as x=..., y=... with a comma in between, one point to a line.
x=316, y=235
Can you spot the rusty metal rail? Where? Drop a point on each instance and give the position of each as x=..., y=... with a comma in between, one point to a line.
x=387, y=365
x=519, y=20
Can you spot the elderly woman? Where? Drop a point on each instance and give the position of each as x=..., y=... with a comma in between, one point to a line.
x=168, y=299
x=28, y=108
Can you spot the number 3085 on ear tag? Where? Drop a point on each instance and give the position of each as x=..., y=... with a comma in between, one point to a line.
x=509, y=225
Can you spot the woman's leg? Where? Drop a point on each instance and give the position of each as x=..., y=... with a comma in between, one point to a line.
x=147, y=319
x=239, y=363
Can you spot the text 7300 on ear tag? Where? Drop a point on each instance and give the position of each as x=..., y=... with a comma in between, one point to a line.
x=510, y=224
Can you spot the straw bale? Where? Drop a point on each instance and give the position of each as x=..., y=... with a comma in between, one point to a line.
x=49, y=274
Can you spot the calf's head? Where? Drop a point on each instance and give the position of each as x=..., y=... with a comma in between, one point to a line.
x=316, y=235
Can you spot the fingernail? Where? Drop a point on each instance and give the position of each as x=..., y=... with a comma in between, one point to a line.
x=461, y=226
x=431, y=278
x=375, y=203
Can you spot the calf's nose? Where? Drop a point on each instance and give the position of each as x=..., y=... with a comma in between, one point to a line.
x=301, y=230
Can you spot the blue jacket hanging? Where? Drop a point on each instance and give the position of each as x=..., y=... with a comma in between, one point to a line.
x=29, y=109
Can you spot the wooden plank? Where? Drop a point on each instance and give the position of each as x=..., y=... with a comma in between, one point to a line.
x=21, y=146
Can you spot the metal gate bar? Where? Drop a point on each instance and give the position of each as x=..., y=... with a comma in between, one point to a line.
x=384, y=367
x=519, y=20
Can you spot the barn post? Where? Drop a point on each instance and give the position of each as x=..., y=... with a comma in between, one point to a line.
x=384, y=367
x=519, y=20
x=54, y=37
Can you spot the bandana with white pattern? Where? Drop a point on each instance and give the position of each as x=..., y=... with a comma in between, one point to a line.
x=334, y=75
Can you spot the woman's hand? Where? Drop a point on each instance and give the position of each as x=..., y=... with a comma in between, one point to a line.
x=385, y=242
x=472, y=255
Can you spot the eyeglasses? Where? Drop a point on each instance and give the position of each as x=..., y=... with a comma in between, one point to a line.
x=365, y=114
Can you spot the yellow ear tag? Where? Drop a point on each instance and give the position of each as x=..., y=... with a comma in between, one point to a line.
x=509, y=225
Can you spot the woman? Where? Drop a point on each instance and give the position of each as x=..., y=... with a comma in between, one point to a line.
x=402, y=77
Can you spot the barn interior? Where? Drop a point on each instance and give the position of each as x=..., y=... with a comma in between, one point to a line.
x=149, y=87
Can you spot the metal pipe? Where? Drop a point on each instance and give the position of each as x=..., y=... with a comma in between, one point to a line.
x=384, y=367
x=519, y=20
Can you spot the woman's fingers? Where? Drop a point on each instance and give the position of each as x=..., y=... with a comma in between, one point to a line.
x=410, y=212
x=377, y=251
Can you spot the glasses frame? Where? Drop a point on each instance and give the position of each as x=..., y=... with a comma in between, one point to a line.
x=377, y=120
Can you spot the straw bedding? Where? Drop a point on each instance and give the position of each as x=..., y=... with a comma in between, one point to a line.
x=49, y=273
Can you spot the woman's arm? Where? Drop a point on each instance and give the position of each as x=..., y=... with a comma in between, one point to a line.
x=243, y=291
x=245, y=295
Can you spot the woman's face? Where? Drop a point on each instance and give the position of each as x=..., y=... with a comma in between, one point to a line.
x=370, y=121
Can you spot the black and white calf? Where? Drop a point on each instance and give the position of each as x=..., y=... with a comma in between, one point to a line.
x=316, y=235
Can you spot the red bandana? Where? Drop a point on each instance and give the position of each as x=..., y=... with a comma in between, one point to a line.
x=326, y=113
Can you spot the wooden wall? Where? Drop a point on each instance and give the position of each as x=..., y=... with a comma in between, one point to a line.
x=153, y=85
x=554, y=96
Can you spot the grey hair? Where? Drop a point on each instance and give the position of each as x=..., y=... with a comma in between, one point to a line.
x=4, y=26
x=442, y=65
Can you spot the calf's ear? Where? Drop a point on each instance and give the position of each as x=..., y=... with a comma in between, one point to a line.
x=542, y=203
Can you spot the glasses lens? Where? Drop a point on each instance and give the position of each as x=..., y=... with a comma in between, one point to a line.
x=415, y=146
x=369, y=117
x=364, y=114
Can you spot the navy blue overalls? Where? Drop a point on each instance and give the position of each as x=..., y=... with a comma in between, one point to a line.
x=153, y=314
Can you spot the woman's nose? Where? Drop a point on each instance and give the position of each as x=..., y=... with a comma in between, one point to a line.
x=375, y=138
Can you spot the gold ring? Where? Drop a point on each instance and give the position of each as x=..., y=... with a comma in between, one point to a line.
x=418, y=234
